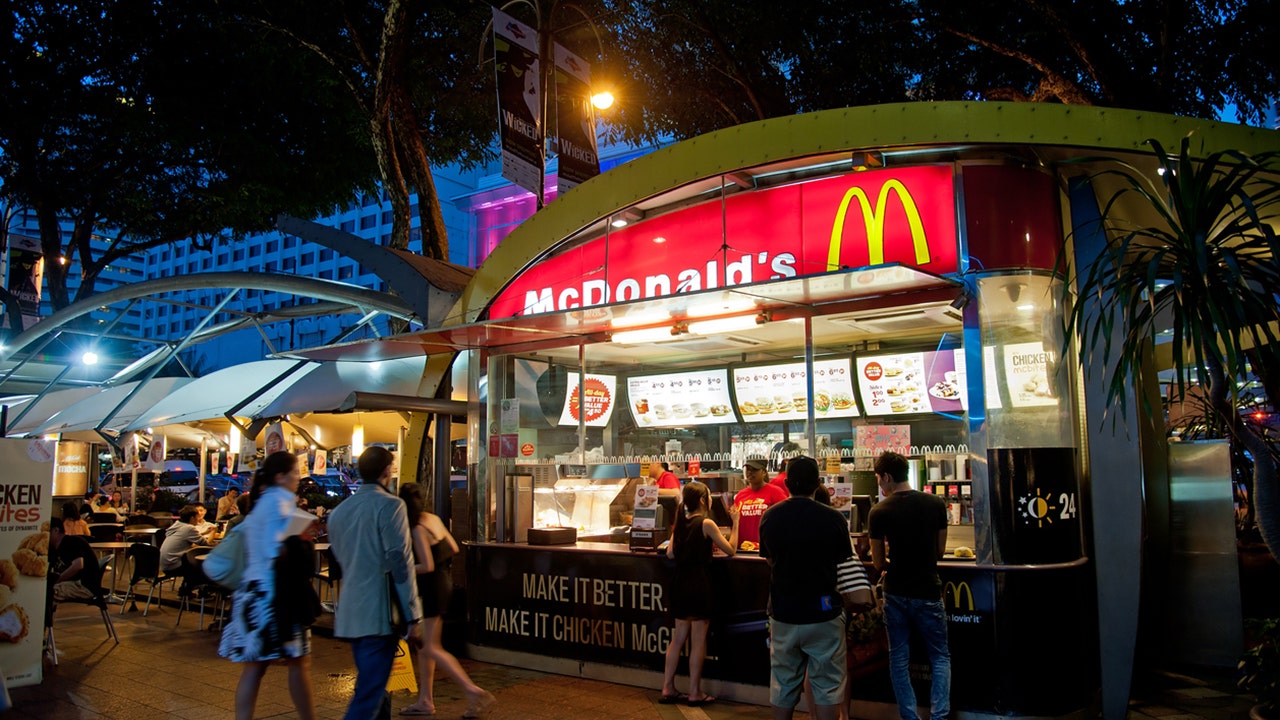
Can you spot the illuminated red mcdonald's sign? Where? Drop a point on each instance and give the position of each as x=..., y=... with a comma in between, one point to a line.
x=900, y=215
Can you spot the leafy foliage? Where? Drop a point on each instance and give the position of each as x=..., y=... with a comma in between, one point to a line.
x=698, y=65
x=1260, y=668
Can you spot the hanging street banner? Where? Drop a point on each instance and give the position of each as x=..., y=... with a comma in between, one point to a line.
x=575, y=121
x=156, y=456
x=519, y=100
x=247, y=458
x=26, y=273
x=274, y=441
x=26, y=503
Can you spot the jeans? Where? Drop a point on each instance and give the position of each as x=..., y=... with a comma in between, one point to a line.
x=929, y=619
x=373, y=657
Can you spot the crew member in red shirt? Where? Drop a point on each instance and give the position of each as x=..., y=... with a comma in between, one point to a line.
x=662, y=475
x=752, y=501
x=780, y=480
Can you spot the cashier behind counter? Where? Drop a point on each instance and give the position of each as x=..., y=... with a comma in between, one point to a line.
x=664, y=478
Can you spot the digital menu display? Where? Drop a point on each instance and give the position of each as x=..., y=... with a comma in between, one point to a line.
x=913, y=383
x=699, y=397
x=595, y=399
x=769, y=393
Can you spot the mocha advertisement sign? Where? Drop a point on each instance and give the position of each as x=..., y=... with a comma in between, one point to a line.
x=902, y=215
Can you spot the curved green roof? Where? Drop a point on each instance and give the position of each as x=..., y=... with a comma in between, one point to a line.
x=1093, y=129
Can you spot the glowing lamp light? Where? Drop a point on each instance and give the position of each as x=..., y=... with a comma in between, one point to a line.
x=234, y=438
x=89, y=358
x=357, y=440
x=602, y=100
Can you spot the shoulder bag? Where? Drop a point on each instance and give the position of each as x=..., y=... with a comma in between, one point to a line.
x=225, y=563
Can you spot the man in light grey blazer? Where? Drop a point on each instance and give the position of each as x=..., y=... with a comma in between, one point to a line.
x=369, y=536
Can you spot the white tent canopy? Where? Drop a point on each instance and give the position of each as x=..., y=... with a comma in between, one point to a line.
x=325, y=388
x=88, y=413
x=211, y=396
x=45, y=408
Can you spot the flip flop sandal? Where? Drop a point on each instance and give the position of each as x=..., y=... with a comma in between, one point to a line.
x=672, y=699
x=708, y=700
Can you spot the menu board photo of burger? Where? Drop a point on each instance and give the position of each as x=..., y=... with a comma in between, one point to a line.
x=769, y=393
x=698, y=397
x=913, y=382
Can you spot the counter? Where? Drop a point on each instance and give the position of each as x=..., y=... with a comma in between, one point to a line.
x=601, y=604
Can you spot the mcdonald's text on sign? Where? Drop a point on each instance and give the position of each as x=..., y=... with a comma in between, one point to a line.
x=900, y=215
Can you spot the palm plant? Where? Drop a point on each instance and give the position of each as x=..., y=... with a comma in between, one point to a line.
x=1208, y=272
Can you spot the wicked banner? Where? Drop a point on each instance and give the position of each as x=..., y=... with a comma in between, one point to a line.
x=26, y=272
x=575, y=121
x=519, y=100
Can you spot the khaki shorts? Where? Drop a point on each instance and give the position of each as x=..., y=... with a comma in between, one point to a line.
x=815, y=647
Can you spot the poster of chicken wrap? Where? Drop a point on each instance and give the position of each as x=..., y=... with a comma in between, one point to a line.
x=1026, y=374
x=680, y=399
x=770, y=393
x=515, y=47
x=592, y=399
x=26, y=503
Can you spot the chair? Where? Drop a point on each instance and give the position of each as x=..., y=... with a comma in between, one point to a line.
x=163, y=519
x=196, y=585
x=146, y=566
x=105, y=532
x=105, y=517
x=331, y=577
x=99, y=600
x=141, y=520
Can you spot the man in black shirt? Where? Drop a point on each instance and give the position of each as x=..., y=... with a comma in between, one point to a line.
x=75, y=573
x=804, y=541
x=915, y=526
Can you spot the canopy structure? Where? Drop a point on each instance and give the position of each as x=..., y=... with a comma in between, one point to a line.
x=26, y=415
x=212, y=396
x=89, y=414
x=327, y=386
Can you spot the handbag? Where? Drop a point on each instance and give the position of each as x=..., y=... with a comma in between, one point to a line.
x=399, y=623
x=853, y=585
x=224, y=564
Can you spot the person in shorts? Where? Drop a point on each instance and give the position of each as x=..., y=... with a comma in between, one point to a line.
x=804, y=541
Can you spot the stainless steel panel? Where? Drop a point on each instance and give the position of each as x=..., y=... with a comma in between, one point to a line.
x=1205, y=622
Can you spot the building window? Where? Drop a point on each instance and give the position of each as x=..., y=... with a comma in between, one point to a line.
x=271, y=266
x=222, y=260
x=345, y=272
x=386, y=217
x=326, y=274
x=289, y=264
x=368, y=221
x=349, y=226
x=290, y=241
x=179, y=251
x=307, y=258
x=164, y=256
x=237, y=256
x=325, y=254
x=255, y=250
x=273, y=246
x=206, y=263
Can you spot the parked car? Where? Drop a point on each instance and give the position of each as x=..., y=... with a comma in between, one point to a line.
x=178, y=476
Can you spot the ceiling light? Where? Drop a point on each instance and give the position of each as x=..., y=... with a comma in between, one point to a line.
x=1027, y=307
x=625, y=217
x=619, y=223
x=89, y=358
x=659, y=240
x=642, y=317
x=639, y=337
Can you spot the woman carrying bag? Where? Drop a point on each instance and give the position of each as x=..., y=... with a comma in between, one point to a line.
x=274, y=604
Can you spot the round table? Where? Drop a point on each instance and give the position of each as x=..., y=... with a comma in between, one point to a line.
x=115, y=547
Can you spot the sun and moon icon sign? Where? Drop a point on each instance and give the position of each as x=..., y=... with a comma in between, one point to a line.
x=1036, y=508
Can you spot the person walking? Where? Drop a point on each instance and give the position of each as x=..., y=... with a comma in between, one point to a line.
x=805, y=543
x=691, y=544
x=268, y=621
x=369, y=538
x=433, y=551
x=914, y=524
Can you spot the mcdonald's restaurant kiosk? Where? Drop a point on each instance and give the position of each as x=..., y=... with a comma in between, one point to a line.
x=769, y=293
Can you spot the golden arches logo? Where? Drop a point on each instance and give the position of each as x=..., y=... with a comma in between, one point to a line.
x=955, y=591
x=874, y=221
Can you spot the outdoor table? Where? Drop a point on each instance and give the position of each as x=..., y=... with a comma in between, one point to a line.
x=145, y=534
x=115, y=548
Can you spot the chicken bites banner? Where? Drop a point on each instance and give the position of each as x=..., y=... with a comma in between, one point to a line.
x=26, y=502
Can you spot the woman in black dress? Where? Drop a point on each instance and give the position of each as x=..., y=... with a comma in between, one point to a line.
x=691, y=541
x=433, y=551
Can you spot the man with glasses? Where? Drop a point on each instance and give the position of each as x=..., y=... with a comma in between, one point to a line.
x=752, y=501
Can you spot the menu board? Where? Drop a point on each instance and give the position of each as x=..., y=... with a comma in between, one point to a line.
x=1026, y=374
x=913, y=383
x=699, y=397
x=598, y=395
x=769, y=393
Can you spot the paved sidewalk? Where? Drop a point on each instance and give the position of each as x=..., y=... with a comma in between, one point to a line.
x=159, y=671
x=1189, y=694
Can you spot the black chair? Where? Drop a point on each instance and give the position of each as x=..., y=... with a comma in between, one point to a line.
x=196, y=585
x=99, y=600
x=105, y=532
x=141, y=520
x=105, y=517
x=146, y=566
x=330, y=576
x=163, y=519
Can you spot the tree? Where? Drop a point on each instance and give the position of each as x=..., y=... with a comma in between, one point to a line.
x=694, y=66
x=1208, y=271
x=134, y=119
x=409, y=71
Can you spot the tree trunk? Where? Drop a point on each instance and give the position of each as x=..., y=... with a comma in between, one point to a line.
x=392, y=179
x=55, y=264
x=435, y=238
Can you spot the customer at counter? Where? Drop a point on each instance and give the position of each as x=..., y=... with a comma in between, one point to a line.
x=804, y=543
x=751, y=502
x=915, y=526
x=691, y=544
x=663, y=477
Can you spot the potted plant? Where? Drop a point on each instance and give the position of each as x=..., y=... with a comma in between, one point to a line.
x=1260, y=669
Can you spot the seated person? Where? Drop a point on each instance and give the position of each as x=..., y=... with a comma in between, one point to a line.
x=179, y=538
x=75, y=573
x=227, y=505
x=242, y=504
x=206, y=528
x=102, y=504
x=71, y=522
x=86, y=507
